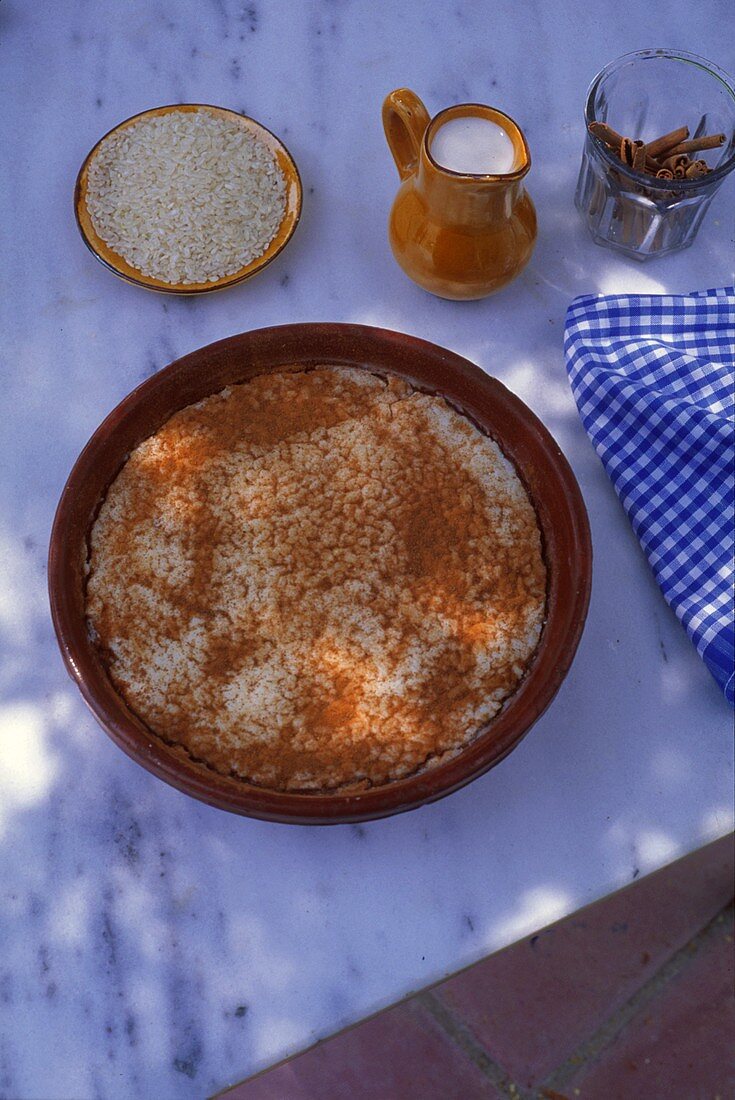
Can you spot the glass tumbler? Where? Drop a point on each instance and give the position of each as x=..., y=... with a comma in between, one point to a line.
x=644, y=95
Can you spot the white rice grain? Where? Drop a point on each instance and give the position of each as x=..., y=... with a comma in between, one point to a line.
x=186, y=197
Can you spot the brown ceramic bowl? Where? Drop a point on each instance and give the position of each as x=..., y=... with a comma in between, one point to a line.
x=543, y=468
x=119, y=265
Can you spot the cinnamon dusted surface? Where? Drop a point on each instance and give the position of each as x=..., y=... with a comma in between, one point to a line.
x=317, y=580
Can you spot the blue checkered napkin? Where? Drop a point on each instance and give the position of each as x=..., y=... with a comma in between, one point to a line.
x=654, y=382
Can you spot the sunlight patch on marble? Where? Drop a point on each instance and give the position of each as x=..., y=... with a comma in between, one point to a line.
x=538, y=907
x=620, y=852
x=678, y=680
x=134, y=905
x=385, y=317
x=628, y=280
x=247, y=939
x=568, y=273
x=61, y=707
x=28, y=768
x=69, y=917
x=278, y=1037
x=655, y=849
x=221, y=851
x=527, y=378
x=718, y=820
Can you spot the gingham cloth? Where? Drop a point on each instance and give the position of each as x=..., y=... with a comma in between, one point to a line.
x=654, y=382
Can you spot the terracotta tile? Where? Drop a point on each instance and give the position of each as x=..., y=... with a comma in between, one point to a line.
x=681, y=1044
x=531, y=1005
x=400, y=1055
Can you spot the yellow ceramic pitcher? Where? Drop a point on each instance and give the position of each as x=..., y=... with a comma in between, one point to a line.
x=458, y=236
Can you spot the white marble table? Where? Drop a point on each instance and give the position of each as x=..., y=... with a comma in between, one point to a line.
x=151, y=946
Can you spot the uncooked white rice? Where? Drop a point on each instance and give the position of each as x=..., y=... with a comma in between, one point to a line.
x=186, y=197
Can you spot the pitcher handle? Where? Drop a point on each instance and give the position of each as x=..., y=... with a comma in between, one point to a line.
x=405, y=120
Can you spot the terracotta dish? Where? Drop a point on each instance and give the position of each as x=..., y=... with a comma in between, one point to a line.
x=119, y=266
x=544, y=470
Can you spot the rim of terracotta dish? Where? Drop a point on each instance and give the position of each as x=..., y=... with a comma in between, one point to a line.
x=429, y=368
x=461, y=110
x=251, y=269
x=683, y=186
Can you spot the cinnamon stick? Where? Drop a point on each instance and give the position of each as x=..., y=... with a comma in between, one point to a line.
x=639, y=156
x=614, y=140
x=606, y=133
x=698, y=145
x=664, y=174
x=670, y=151
x=696, y=169
x=666, y=142
x=681, y=160
x=627, y=150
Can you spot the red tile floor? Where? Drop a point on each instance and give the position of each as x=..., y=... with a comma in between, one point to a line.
x=629, y=999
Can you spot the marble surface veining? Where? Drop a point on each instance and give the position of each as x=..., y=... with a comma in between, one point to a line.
x=151, y=946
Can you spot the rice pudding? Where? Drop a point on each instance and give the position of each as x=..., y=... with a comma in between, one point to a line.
x=316, y=580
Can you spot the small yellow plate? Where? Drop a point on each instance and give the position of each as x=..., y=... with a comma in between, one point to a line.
x=121, y=267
